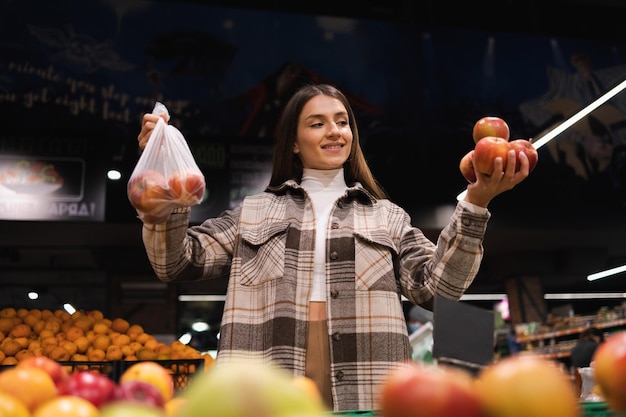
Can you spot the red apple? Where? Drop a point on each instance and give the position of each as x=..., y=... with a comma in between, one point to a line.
x=95, y=388
x=417, y=390
x=140, y=391
x=467, y=168
x=147, y=191
x=490, y=126
x=530, y=151
x=56, y=371
x=186, y=188
x=609, y=364
x=487, y=150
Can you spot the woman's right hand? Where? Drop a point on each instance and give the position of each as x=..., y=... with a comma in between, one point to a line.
x=147, y=126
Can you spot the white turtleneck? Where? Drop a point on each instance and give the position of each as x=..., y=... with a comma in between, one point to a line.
x=324, y=187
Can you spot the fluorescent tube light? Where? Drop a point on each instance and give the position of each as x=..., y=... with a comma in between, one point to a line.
x=608, y=272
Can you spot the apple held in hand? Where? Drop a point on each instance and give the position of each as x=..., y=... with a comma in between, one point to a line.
x=95, y=388
x=467, y=168
x=416, y=390
x=609, y=364
x=490, y=126
x=487, y=150
x=527, y=147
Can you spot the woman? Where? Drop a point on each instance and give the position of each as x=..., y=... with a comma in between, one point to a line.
x=317, y=263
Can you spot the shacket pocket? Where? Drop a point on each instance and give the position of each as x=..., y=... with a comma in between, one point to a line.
x=263, y=253
x=373, y=262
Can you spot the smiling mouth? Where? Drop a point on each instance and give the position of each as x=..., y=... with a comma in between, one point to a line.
x=332, y=146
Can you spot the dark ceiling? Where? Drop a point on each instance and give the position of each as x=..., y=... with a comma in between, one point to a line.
x=560, y=250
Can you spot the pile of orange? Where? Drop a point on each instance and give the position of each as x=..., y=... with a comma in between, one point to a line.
x=81, y=337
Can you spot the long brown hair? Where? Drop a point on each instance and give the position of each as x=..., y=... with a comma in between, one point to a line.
x=287, y=165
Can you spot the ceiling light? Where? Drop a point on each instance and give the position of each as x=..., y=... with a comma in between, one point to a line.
x=608, y=272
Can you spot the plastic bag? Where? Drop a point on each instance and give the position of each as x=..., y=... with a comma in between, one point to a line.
x=166, y=175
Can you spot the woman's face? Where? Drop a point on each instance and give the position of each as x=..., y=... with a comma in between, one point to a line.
x=324, y=137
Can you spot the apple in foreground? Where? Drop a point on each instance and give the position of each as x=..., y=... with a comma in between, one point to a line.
x=249, y=388
x=525, y=145
x=487, y=150
x=56, y=371
x=139, y=391
x=418, y=390
x=67, y=406
x=152, y=373
x=490, y=126
x=467, y=168
x=95, y=388
x=131, y=409
x=609, y=364
x=527, y=385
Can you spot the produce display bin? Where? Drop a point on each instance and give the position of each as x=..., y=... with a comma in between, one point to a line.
x=182, y=370
x=598, y=409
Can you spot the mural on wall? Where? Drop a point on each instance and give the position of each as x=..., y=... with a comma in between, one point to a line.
x=76, y=76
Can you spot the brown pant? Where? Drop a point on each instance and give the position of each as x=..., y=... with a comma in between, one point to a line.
x=317, y=365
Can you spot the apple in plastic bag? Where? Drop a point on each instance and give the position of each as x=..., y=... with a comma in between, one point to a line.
x=186, y=188
x=148, y=192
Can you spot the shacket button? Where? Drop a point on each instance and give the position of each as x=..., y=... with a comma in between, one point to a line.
x=339, y=375
x=334, y=293
x=466, y=222
x=334, y=225
x=336, y=336
x=333, y=256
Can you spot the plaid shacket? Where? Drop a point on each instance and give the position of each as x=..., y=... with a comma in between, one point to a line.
x=373, y=256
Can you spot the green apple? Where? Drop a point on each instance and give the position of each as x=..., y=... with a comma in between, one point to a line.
x=131, y=409
x=248, y=389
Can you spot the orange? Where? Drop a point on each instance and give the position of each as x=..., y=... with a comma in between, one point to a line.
x=62, y=314
x=33, y=386
x=121, y=340
x=11, y=406
x=23, y=354
x=54, y=325
x=146, y=354
x=96, y=355
x=8, y=312
x=10, y=347
x=21, y=330
x=21, y=312
x=2, y=356
x=6, y=325
x=74, y=332
x=67, y=405
x=84, y=323
x=46, y=314
x=100, y=328
x=114, y=353
x=70, y=346
x=120, y=325
x=22, y=341
x=134, y=330
x=102, y=341
x=97, y=315
x=82, y=344
x=9, y=360
x=38, y=327
x=60, y=354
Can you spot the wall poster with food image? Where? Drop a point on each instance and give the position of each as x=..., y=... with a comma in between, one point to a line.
x=48, y=188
